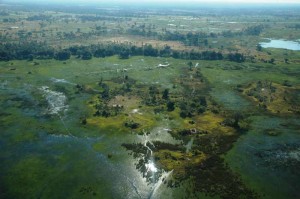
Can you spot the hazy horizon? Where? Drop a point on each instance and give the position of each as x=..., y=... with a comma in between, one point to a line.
x=157, y=1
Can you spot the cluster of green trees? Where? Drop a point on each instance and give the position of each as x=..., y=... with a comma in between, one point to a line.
x=236, y=57
x=254, y=30
x=194, y=102
x=38, y=50
x=26, y=50
x=40, y=17
x=258, y=92
x=102, y=107
x=295, y=26
x=196, y=105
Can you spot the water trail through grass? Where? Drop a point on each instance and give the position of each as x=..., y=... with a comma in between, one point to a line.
x=189, y=145
x=163, y=178
x=55, y=80
x=63, y=122
x=134, y=187
x=151, y=167
x=57, y=103
x=146, y=140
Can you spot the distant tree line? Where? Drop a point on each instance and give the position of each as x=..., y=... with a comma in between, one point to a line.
x=192, y=38
x=296, y=26
x=39, y=50
x=85, y=18
x=40, y=17
x=26, y=50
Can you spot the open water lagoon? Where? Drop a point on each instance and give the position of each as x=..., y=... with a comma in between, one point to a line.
x=280, y=43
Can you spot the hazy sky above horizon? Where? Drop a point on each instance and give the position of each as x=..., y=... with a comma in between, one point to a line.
x=160, y=1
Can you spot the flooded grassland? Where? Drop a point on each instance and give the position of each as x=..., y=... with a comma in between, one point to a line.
x=149, y=103
x=85, y=129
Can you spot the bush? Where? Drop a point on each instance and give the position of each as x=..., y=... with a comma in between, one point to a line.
x=170, y=106
x=131, y=124
x=63, y=55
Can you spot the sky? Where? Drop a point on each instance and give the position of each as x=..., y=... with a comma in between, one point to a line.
x=159, y=1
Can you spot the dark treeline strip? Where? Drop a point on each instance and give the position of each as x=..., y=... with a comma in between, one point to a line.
x=190, y=38
x=295, y=26
x=85, y=18
x=40, y=17
x=35, y=50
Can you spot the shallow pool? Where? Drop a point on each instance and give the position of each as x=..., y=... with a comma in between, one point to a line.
x=280, y=43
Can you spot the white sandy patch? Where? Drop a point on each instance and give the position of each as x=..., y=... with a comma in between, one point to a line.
x=56, y=100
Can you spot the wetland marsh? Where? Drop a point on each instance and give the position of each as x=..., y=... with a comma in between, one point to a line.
x=133, y=103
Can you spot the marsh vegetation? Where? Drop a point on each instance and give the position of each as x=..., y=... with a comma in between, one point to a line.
x=148, y=102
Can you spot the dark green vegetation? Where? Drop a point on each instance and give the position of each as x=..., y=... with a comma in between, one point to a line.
x=148, y=103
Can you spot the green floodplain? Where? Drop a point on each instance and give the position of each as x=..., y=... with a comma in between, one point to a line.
x=161, y=120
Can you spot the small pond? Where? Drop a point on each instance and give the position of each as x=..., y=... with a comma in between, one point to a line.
x=280, y=43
